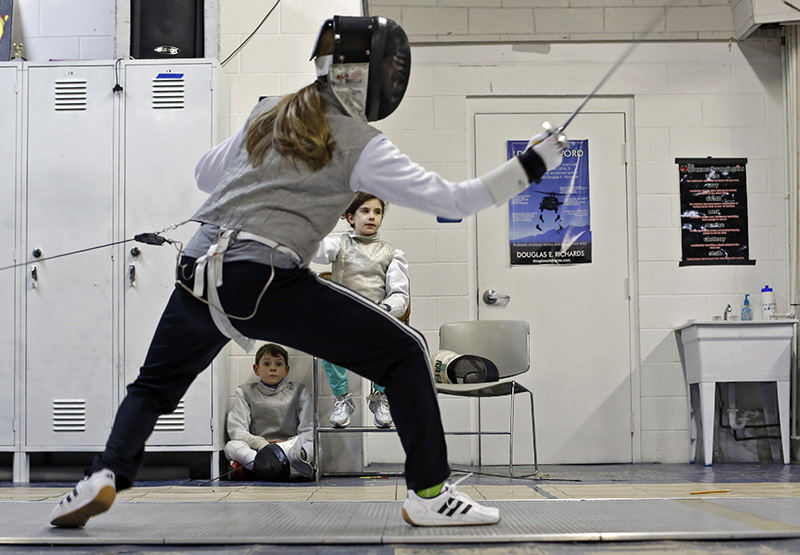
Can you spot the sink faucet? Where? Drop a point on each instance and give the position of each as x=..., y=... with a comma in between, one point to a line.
x=725, y=312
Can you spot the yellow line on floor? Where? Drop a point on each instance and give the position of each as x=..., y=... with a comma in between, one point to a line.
x=744, y=517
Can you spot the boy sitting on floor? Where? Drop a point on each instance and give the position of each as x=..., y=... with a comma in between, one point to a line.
x=270, y=424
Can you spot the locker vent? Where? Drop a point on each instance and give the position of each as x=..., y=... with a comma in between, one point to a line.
x=168, y=94
x=69, y=415
x=70, y=95
x=172, y=422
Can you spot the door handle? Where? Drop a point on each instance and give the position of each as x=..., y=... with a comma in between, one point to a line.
x=490, y=296
x=132, y=275
x=34, y=277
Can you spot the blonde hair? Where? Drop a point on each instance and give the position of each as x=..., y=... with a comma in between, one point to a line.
x=296, y=127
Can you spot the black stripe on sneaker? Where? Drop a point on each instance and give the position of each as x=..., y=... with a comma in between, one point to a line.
x=443, y=508
x=454, y=509
x=466, y=509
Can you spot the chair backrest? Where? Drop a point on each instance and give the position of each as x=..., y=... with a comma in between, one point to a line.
x=504, y=342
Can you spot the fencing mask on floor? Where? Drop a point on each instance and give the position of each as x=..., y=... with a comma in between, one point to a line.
x=271, y=464
x=455, y=368
x=367, y=61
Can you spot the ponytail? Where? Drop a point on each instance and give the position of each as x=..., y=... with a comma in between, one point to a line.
x=296, y=127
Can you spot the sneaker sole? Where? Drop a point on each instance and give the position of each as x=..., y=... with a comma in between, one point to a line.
x=77, y=518
x=411, y=522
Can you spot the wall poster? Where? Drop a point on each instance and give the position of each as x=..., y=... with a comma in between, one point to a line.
x=549, y=221
x=6, y=16
x=713, y=211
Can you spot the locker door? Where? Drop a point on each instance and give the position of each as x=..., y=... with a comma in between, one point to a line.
x=168, y=126
x=70, y=195
x=9, y=111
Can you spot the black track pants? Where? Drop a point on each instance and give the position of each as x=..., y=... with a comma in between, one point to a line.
x=302, y=311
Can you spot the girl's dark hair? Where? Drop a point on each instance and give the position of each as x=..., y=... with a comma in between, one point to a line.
x=274, y=350
x=296, y=127
x=360, y=199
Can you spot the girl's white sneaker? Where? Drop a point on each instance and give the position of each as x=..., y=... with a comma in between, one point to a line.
x=91, y=496
x=449, y=508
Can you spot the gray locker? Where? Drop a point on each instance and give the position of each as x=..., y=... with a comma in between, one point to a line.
x=70, y=195
x=10, y=112
x=168, y=125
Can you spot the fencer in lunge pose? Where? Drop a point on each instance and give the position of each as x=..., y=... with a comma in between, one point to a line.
x=277, y=188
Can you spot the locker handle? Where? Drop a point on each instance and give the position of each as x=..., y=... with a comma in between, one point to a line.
x=34, y=277
x=132, y=275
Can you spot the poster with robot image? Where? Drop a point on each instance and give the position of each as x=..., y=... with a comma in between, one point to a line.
x=713, y=211
x=549, y=221
x=6, y=15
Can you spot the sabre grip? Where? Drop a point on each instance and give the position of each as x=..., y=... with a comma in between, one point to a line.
x=149, y=238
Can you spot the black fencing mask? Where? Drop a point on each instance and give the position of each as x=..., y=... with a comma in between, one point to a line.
x=369, y=64
x=271, y=464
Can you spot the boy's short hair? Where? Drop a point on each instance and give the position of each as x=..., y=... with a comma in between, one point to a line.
x=274, y=350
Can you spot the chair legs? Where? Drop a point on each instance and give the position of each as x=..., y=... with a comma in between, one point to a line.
x=533, y=436
x=511, y=431
x=514, y=392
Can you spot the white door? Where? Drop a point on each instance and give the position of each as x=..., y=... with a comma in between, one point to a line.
x=168, y=116
x=579, y=314
x=70, y=364
x=8, y=190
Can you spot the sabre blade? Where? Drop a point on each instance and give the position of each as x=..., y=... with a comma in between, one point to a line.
x=646, y=31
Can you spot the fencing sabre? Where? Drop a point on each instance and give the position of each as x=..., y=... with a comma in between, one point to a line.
x=549, y=130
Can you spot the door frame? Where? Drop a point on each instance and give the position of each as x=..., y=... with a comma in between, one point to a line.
x=482, y=104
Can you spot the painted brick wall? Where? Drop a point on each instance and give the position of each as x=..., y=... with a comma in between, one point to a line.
x=690, y=98
x=64, y=29
x=557, y=20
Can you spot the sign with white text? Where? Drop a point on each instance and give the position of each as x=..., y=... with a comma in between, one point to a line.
x=549, y=221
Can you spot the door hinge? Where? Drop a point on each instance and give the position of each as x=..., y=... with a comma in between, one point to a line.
x=623, y=151
x=627, y=288
x=211, y=422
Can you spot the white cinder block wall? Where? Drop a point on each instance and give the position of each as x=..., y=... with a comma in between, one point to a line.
x=691, y=99
x=694, y=95
x=64, y=29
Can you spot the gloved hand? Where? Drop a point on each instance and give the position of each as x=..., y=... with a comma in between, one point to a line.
x=548, y=148
x=257, y=443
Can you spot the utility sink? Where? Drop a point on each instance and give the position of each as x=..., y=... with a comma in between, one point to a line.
x=736, y=351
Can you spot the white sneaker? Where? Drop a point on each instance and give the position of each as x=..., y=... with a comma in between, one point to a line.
x=379, y=405
x=92, y=495
x=342, y=409
x=449, y=508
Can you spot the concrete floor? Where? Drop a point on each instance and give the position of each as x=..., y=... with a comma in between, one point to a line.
x=648, y=481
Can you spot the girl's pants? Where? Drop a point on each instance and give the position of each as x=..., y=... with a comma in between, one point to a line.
x=337, y=378
x=301, y=311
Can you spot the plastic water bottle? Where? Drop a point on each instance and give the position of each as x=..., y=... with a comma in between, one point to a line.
x=768, y=305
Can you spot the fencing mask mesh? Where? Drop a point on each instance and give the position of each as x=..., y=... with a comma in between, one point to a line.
x=370, y=65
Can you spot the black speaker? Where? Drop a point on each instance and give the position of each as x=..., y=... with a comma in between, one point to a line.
x=167, y=29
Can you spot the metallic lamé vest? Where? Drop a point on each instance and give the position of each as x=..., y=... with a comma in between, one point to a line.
x=273, y=413
x=361, y=265
x=287, y=202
